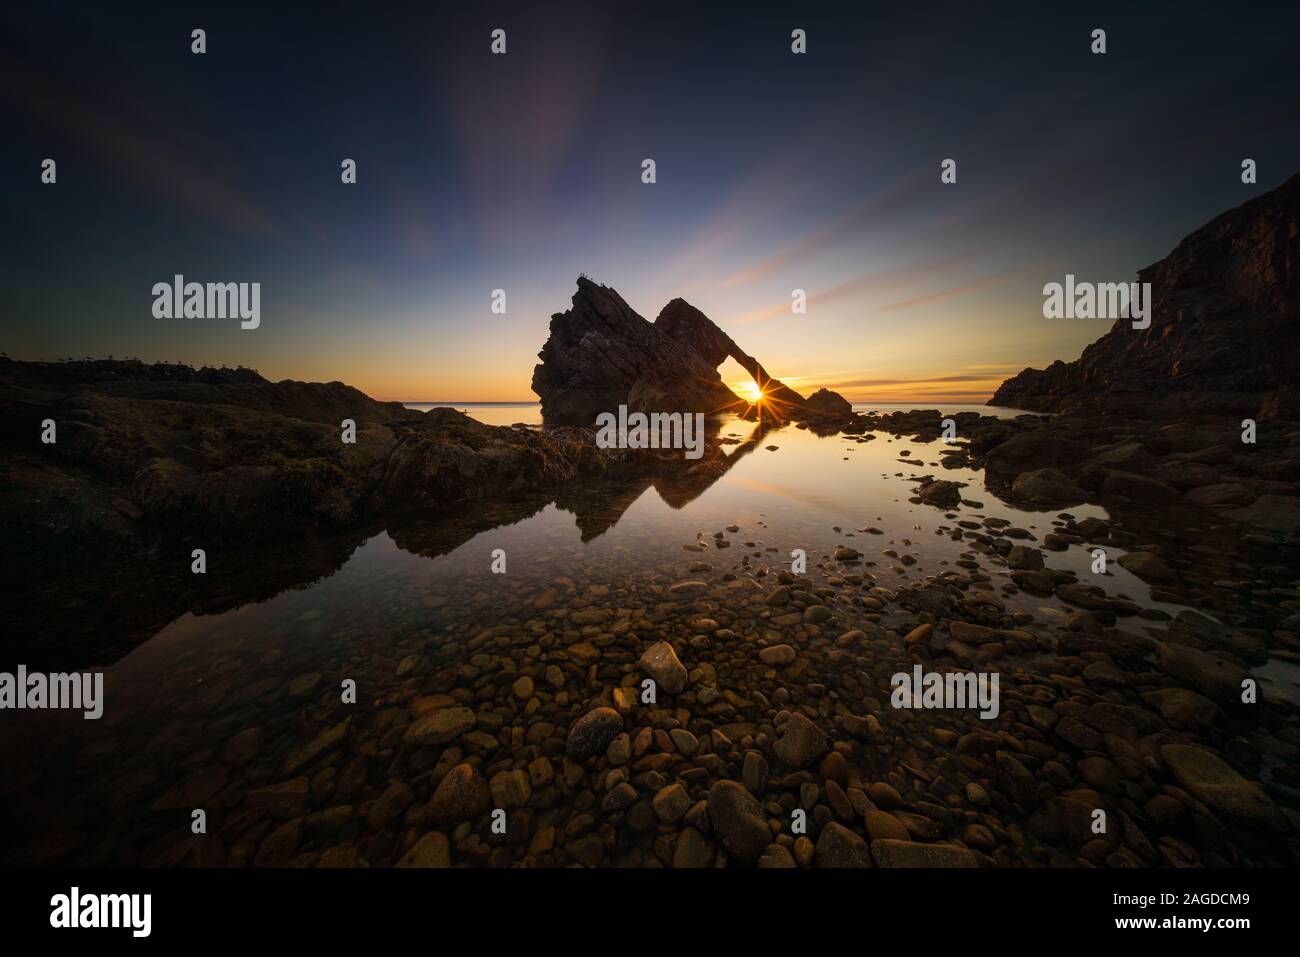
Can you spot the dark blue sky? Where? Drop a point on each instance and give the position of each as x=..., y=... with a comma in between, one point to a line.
x=479, y=172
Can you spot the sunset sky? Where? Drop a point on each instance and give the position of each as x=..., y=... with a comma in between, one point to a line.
x=477, y=172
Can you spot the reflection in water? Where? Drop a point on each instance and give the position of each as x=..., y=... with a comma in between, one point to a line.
x=229, y=694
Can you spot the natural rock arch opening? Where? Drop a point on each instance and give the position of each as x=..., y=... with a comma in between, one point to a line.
x=738, y=379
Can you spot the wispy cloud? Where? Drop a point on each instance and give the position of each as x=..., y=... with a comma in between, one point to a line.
x=135, y=155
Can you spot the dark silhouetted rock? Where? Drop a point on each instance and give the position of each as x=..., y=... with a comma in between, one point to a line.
x=1224, y=335
x=601, y=354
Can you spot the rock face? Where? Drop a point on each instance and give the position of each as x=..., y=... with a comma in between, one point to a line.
x=149, y=451
x=601, y=354
x=229, y=455
x=1224, y=334
x=687, y=325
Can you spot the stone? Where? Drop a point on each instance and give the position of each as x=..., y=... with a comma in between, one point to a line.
x=685, y=742
x=432, y=850
x=890, y=853
x=1034, y=450
x=277, y=848
x=777, y=655
x=754, y=772
x=1274, y=513
x=1215, y=677
x=1047, y=487
x=1024, y=557
x=801, y=742
x=463, y=795
x=660, y=662
x=778, y=596
x=390, y=805
x=1229, y=795
x=440, y=727
x=693, y=850
x=940, y=493
x=592, y=733
x=1183, y=708
x=511, y=789
x=837, y=846
x=738, y=821
x=1148, y=566
x=776, y=856
x=322, y=743
x=671, y=803
x=881, y=825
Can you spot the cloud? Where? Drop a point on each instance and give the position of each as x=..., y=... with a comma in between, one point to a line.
x=129, y=152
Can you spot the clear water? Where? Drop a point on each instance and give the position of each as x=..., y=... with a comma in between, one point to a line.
x=87, y=791
x=530, y=413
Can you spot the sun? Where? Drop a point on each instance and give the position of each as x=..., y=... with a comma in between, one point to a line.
x=751, y=392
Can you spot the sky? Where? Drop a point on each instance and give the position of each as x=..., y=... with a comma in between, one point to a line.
x=477, y=172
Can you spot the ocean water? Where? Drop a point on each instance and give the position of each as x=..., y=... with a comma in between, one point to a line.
x=530, y=413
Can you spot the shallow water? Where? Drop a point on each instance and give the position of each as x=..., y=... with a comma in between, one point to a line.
x=103, y=792
x=530, y=413
x=793, y=497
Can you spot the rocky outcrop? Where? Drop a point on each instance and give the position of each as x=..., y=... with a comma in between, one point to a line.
x=226, y=456
x=1224, y=334
x=687, y=325
x=151, y=456
x=601, y=354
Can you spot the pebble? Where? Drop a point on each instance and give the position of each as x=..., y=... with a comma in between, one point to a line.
x=801, y=742
x=592, y=733
x=661, y=663
x=738, y=821
x=777, y=655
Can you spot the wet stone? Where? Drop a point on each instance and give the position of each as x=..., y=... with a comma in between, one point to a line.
x=837, y=846
x=440, y=727
x=738, y=821
x=661, y=663
x=801, y=742
x=463, y=795
x=592, y=733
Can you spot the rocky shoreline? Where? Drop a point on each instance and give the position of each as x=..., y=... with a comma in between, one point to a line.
x=773, y=697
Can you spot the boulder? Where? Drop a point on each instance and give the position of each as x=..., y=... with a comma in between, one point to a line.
x=1149, y=566
x=1226, y=792
x=1222, y=336
x=738, y=821
x=1047, y=487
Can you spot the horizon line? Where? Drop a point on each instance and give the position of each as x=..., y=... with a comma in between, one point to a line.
x=949, y=400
